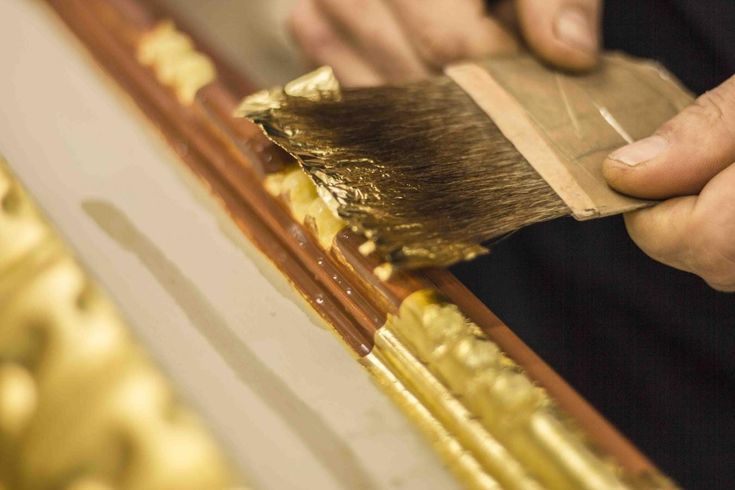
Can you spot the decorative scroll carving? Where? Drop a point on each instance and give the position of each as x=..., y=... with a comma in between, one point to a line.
x=176, y=61
x=81, y=406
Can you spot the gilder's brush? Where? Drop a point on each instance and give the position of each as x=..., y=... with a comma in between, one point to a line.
x=430, y=170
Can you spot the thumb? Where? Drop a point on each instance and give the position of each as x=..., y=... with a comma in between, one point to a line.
x=693, y=233
x=684, y=154
x=565, y=33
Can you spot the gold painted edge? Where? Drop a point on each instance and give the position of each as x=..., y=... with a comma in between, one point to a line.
x=462, y=464
x=449, y=362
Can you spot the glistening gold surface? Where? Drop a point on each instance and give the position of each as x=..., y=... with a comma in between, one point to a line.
x=463, y=464
x=176, y=62
x=483, y=415
x=509, y=425
x=81, y=406
x=295, y=187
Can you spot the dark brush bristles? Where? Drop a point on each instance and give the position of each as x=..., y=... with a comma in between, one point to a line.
x=419, y=168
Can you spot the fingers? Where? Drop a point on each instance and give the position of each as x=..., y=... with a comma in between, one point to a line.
x=684, y=154
x=693, y=233
x=692, y=156
x=323, y=45
x=402, y=40
x=444, y=31
x=565, y=33
x=372, y=41
x=375, y=32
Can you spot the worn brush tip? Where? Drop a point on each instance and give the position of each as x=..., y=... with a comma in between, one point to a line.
x=419, y=169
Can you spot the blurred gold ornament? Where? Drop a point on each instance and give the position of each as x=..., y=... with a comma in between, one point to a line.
x=81, y=405
x=18, y=398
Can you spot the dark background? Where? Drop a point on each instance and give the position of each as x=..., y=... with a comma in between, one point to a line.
x=651, y=347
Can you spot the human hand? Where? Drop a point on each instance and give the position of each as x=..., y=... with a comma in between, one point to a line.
x=370, y=42
x=689, y=163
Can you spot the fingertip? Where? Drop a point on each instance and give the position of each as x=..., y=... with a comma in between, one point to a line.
x=624, y=178
x=636, y=222
x=563, y=33
x=614, y=173
x=639, y=169
x=638, y=182
x=661, y=231
x=627, y=179
x=574, y=62
x=576, y=31
x=562, y=57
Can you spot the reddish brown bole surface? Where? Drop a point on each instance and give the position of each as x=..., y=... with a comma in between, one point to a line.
x=231, y=157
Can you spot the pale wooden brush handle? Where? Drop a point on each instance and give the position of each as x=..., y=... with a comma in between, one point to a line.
x=565, y=125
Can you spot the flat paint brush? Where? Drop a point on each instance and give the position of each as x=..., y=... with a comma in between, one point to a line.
x=431, y=170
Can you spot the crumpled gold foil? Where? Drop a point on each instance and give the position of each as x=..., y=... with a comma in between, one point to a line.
x=430, y=170
x=405, y=244
x=321, y=84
